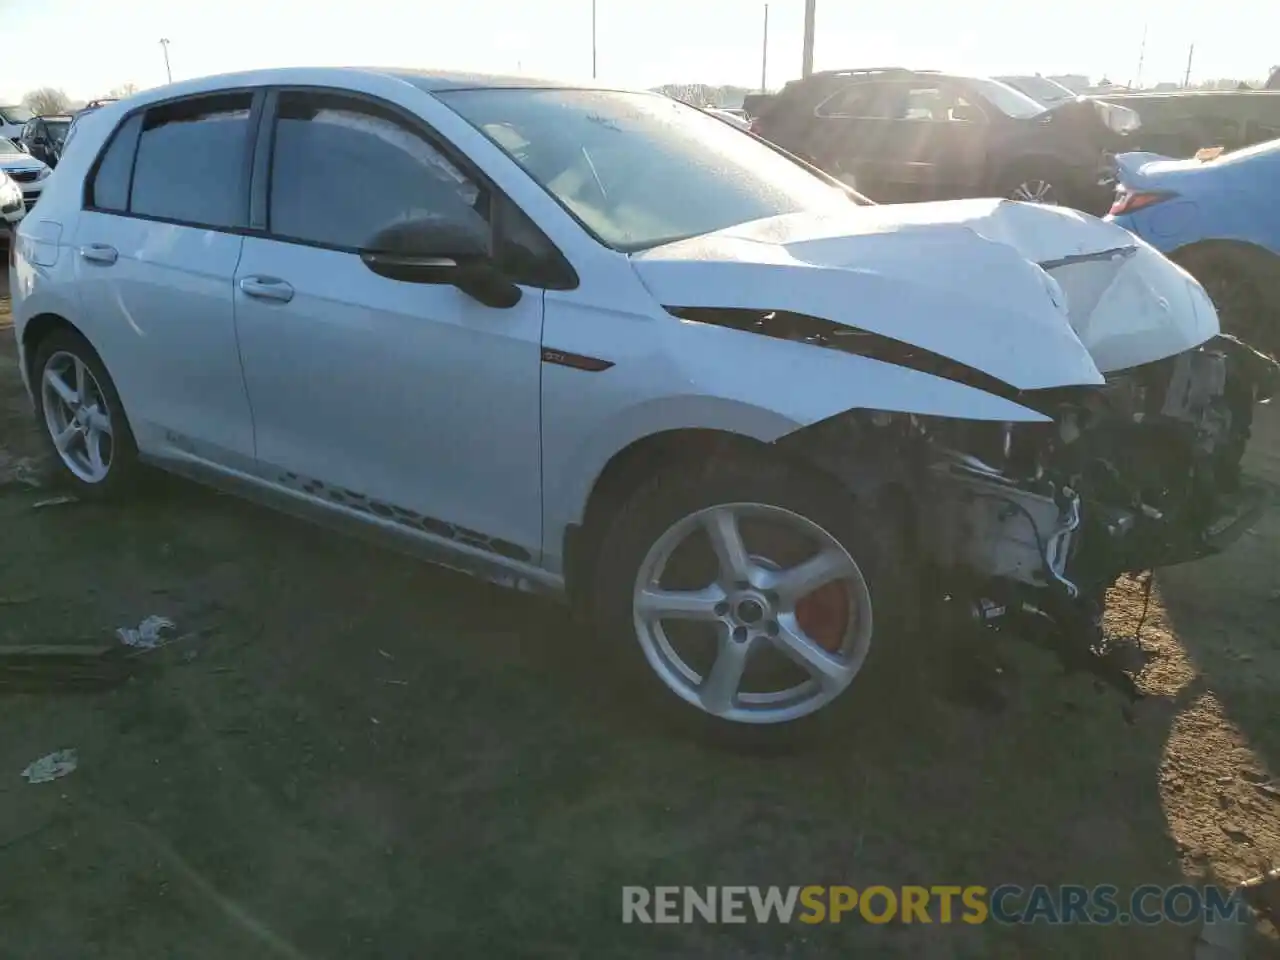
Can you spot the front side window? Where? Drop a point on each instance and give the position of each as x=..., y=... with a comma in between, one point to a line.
x=1012, y=103
x=342, y=169
x=639, y=170
x=939, y=104
x=190, y=165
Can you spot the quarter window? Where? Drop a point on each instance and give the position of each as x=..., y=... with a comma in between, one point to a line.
x=109, y=188
x=342, y=169
x=191, y=161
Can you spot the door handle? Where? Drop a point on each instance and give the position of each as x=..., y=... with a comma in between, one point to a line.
x=267, y=288
x=99, y=253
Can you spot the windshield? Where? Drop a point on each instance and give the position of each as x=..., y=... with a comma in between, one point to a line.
x=15, y=114
x=1040, y=88
x=58, y=128
x=637, y=169
x=1007, y=100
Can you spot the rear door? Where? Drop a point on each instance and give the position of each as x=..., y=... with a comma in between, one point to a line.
x=157, y=246
x=849, y=137
x=935, y=140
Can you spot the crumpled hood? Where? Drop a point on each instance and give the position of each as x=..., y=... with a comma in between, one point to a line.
x=960, y=278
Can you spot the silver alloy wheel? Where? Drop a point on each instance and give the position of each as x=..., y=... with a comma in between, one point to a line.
x=751, y=605
x=1035, y=191
x=77, y=417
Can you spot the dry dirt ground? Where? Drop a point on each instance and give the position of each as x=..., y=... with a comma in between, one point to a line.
x=355, y=756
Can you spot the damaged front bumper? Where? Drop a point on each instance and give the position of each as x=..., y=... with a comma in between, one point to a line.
x=1026, y=525
x=1142, y=472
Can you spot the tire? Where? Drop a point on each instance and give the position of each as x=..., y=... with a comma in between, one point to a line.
x=1234, y=284
x=1034, y=183
x=792, y=500
x=63, y=354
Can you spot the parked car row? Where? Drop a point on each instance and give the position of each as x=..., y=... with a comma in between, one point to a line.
x=603, y=345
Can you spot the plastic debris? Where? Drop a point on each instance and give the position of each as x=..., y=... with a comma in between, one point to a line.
x=146, y=635
x=20, y=471
x=54, y=502
x=51, y=767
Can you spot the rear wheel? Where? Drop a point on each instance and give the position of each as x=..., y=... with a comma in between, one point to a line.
x=751, y=590
x=83, y=418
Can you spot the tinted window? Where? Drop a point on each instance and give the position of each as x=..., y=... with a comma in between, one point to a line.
x=342, y=169
x=191, y=161
x=860, y=100
x=109, y=188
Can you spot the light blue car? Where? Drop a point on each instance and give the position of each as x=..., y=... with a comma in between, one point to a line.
x=1218, y=215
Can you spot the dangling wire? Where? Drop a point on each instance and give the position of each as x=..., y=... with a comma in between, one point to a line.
x=1146, y=605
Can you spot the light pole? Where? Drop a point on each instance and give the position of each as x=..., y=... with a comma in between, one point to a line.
x=764, y=53
x=806, y=63
x=593, y=39
x=164, y=45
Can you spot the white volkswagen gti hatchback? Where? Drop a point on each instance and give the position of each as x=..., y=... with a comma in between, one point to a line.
x=600, y=344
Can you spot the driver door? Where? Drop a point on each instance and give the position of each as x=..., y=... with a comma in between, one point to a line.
x=409, y=401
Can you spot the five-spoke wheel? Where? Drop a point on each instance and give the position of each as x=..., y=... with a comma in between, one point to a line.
x=76, y=416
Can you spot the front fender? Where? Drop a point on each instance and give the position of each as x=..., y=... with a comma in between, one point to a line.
x=705, y=377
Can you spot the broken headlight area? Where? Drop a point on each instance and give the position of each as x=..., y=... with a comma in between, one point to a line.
x=1034, y=521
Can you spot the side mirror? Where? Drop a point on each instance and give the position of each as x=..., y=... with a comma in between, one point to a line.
x=23, y=146
x=431, y=248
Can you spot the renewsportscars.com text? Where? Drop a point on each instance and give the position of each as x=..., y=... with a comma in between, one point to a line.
x=943, y=904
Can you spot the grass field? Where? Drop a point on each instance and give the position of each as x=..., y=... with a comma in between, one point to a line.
x=264, y=789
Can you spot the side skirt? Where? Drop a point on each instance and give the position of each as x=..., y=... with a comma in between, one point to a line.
x=438, y=550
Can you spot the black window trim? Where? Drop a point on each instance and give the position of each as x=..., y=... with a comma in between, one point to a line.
x=560, y=274
x=257, y=94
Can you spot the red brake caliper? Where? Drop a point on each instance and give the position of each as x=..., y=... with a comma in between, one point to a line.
x=824, y=615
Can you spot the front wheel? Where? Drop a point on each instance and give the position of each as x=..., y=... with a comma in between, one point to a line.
x=1234, y=284
x=752, y=589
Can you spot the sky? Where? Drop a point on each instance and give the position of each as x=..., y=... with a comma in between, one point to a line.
x=87, y=47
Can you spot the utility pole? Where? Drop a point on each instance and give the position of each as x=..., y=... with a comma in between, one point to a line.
x=806, y=63
x=1142, y=56
x=1186, y=77
x=164, y=45
x=764, y=53
x=593, y=39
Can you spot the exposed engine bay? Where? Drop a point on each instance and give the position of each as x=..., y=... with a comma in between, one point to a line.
x=1028, y=524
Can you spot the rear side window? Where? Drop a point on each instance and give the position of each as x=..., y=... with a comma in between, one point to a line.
x=861, y=101
x=343, y=168
x=109, y=187
x=191, y=161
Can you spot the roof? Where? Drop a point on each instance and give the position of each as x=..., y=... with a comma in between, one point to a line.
x=441, y=81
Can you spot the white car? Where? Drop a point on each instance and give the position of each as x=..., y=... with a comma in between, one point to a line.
x=25, y=170
x=13, y=117
x=12, y=208
x=599, y=344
